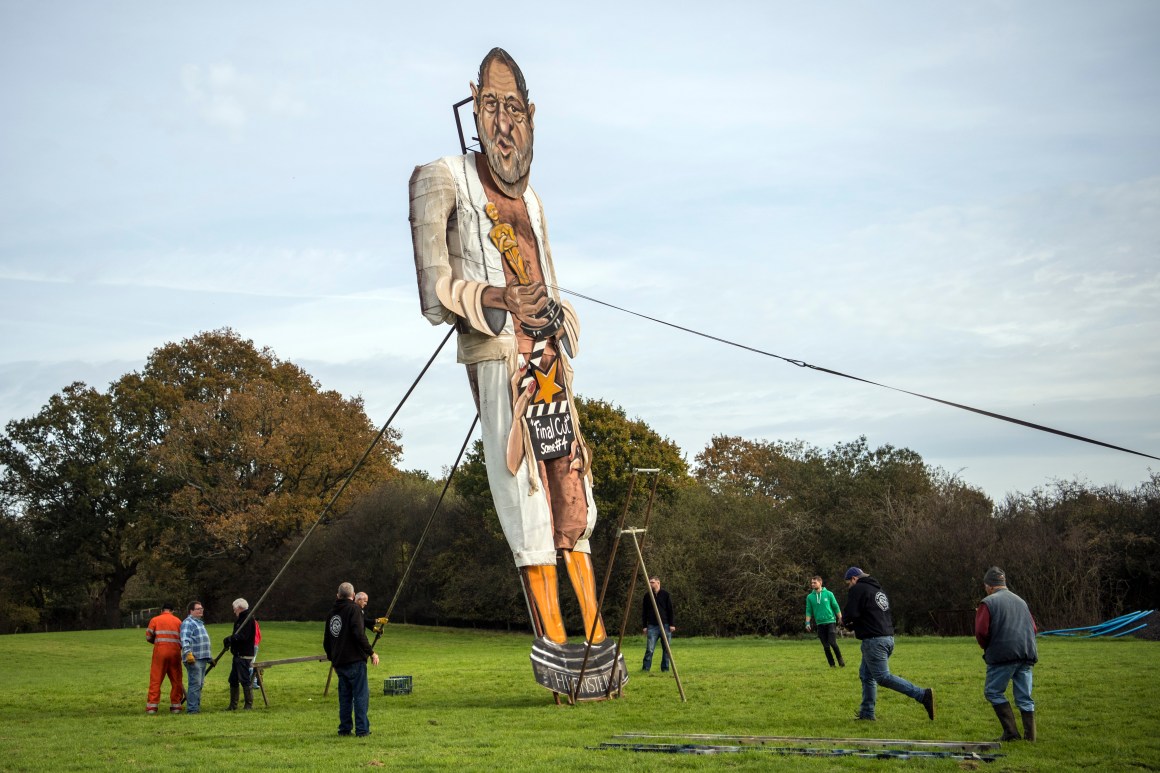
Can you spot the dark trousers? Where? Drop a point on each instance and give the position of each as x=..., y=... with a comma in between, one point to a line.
x=829, y=641
x=353, y=697
x=241, y=670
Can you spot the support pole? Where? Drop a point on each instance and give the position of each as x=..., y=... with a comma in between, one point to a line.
x=652, y=597
x=632, y=580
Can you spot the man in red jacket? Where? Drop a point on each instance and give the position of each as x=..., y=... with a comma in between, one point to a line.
x=164, y=633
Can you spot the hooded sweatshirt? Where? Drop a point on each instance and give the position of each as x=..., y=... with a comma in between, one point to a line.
x=345, y=640
x=868, y=610
x=821, y=607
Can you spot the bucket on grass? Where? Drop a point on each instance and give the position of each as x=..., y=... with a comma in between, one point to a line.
x=397, y=685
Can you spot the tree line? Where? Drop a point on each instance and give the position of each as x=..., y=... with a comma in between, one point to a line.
x=198, y=476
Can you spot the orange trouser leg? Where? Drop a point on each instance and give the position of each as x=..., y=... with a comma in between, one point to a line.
x=156, y=674
x=541, y=584
x=173, y=671
x=584, y=583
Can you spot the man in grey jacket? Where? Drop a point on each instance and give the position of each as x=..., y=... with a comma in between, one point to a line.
x=1006, y=631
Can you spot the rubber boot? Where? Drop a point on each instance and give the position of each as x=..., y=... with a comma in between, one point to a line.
x=234, y=690
x=1028, y=725
x=248, y=692
x=1007, y=720
x=541, y=584
x=584, y=583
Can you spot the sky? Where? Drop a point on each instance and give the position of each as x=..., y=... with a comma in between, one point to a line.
x=955, y=199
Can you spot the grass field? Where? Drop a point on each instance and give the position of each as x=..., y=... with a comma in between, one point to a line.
x=75, y=701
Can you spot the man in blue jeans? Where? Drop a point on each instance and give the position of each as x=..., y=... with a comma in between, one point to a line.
x=196, y=654
x=654, y=629
x=1006, y=631
x=868, y=613
x=346, y=645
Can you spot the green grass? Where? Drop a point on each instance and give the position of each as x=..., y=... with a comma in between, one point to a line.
x=74, y=701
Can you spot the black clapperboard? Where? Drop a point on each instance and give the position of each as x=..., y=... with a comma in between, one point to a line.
x=551, y=429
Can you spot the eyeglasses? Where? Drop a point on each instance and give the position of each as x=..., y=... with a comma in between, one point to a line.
x=490, y=103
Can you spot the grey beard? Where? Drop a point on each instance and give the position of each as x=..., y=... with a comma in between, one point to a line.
x=520, y=168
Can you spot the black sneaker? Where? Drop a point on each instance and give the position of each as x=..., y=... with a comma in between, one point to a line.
x=928, y=702
x=860, y=718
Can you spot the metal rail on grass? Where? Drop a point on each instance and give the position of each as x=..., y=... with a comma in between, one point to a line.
x=763, y=739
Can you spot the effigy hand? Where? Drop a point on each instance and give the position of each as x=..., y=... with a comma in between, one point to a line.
x=526, y=302
x=539, y=316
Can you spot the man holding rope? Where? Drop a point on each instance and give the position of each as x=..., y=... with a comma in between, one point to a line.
x=241, y=644
x=370, y=623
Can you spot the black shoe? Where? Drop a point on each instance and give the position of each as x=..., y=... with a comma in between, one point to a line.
x=928, y=702
x=340, y=732
x=363, y=735
x=842, y=663
x=860, y=718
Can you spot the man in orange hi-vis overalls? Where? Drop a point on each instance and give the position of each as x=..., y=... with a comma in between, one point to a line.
x=164, y=633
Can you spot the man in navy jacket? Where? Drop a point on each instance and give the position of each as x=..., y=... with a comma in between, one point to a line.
x=346, y=645
x=868, y=613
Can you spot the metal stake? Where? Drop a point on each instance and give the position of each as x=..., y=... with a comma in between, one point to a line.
x=632, y=580
x=653, y=598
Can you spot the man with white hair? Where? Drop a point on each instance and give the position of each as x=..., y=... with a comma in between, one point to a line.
x=370, y=623
x=241, y=644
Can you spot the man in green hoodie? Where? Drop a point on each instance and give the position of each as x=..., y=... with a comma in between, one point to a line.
x=822, y=612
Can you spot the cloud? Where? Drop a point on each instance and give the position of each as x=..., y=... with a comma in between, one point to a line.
x=227, y=99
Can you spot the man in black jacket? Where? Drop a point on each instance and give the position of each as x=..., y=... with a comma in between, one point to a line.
x=346, y=645
x=654, y=629
x=241, y=644
x=868, y=613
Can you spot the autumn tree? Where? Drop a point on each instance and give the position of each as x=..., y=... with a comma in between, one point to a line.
x=256, y=446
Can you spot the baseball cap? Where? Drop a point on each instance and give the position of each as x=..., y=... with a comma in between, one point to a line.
x=853, y=572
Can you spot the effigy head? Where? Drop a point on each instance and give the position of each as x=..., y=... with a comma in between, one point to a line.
x=504, y=120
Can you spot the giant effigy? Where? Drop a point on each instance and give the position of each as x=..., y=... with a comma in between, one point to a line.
x=484, y=264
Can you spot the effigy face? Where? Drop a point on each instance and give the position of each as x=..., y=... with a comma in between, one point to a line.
x=504, y=120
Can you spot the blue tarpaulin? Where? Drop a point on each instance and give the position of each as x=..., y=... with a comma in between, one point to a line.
x=1119, y=626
